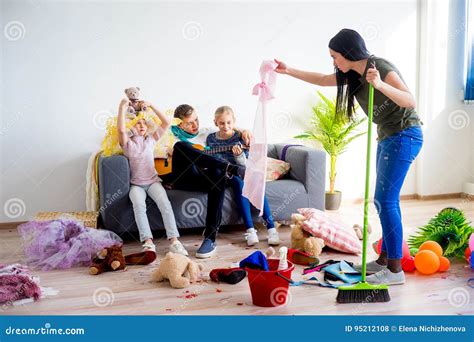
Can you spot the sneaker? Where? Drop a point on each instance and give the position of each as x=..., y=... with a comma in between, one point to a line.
x=386, y=277
x=273, y=237
x=251, y=237
x=178, y=248
x=372, y=267
x=149, y=246
x=207, y=249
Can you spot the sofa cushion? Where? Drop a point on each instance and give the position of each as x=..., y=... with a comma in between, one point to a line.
x=276, y=169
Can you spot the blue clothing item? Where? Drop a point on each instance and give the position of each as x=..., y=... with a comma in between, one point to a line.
x=257, y=261
x=394, y=157
x=213, y=141
x=243, y=204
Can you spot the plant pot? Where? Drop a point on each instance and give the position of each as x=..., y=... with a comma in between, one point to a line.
x=333, y=200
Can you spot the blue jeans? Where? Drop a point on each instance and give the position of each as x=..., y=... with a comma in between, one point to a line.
x=243, y=204
x=394, y=157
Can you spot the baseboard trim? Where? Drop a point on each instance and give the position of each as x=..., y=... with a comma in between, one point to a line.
x=11, y=225
x=421, y=197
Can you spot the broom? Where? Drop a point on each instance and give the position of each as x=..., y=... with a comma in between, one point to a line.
x=363, y=292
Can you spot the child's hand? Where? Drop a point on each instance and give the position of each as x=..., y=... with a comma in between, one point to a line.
x=237, y=150
x=124, y=102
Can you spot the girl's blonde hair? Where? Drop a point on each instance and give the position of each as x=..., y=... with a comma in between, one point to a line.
x=222, y=110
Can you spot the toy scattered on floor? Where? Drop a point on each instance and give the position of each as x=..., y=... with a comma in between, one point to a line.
x=283, y=263
x=108, y=259
x=469, y=251
x=301, y=258
x=430, y=259
x=135, y=105
x=359, y=230
x=449, y=228
x=302, y=240
x=178, y=269
x=60, y=244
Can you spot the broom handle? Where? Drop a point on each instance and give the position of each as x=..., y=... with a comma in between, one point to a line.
x=367, y=181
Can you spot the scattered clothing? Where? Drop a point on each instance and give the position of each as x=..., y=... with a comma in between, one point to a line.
x=228, y=275
x=16, y=283
x=257, y=261
x=141, y=258
x=60, y=244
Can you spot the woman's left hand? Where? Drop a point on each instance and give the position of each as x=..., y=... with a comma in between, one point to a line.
x=373, y=77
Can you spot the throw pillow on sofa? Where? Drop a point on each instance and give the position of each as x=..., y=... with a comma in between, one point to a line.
x=276, y=169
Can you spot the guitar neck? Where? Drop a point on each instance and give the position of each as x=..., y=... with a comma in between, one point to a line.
x=221, y=149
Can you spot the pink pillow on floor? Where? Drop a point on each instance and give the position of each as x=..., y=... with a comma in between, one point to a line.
x=336, y=234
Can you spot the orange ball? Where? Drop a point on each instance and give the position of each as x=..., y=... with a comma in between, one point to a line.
x=443, y=264
x=427, y=262
x=432, y=246
x=467, y=254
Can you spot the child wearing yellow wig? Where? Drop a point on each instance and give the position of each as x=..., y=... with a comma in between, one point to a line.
x=144, y=179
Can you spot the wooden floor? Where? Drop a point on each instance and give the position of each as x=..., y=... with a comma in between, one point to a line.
x=130, y=292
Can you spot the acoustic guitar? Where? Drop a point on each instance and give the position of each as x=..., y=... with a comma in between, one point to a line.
x=163, y=165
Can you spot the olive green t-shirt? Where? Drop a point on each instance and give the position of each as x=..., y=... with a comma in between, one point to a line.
x=389, y=117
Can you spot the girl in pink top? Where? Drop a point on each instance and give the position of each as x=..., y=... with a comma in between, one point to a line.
x=143, y=177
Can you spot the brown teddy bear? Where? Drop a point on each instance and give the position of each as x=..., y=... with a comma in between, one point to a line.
x=302, y=240
x=108, y=259
x=178, y=269
x=135, y=105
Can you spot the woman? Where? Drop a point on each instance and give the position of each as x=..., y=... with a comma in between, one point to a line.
x=400, y=137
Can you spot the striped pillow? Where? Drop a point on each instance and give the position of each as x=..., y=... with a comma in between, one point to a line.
x=336, y=234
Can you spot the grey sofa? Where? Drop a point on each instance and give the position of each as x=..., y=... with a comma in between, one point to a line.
x=304, y=186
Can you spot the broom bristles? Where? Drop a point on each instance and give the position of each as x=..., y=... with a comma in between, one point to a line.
x=363, y=293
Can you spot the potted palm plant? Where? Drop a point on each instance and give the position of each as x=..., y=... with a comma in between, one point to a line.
x=334, y=132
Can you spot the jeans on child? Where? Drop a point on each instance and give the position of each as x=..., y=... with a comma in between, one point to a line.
x=394, y=157
x=243, y=204
x=158, y=194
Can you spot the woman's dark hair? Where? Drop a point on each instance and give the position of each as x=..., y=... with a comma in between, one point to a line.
x=183, y=111
x=351, y=46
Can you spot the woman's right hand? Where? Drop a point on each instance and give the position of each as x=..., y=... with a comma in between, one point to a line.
x=281, y=68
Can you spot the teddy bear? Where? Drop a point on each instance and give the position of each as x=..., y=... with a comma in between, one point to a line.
x=108, y=259
x=178, y=269
x=360, y=230
x=135, y=105
x=302, y=240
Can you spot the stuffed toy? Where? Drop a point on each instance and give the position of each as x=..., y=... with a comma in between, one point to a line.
x=108, y=259
x=302, y=240
x=360, y=230
x=135, y=105
x=178, y=269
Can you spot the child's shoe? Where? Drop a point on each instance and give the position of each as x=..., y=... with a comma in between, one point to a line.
x=207, y=249
x=273, y=237
x=251, y=237
x=178, y=248
x=149, y=246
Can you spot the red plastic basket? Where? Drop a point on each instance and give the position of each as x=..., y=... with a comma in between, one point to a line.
x=267, y=287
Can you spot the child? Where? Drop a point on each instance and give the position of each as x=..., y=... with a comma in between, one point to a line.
x=224, y=119
x=144, y=180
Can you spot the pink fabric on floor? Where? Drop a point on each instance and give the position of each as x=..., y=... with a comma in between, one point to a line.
x=254, y=180
x=17, y=283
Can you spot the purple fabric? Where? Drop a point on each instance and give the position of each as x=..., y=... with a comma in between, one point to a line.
x=17, y=283
x=60, y=244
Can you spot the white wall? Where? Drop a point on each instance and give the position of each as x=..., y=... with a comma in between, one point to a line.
x=73, y=60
